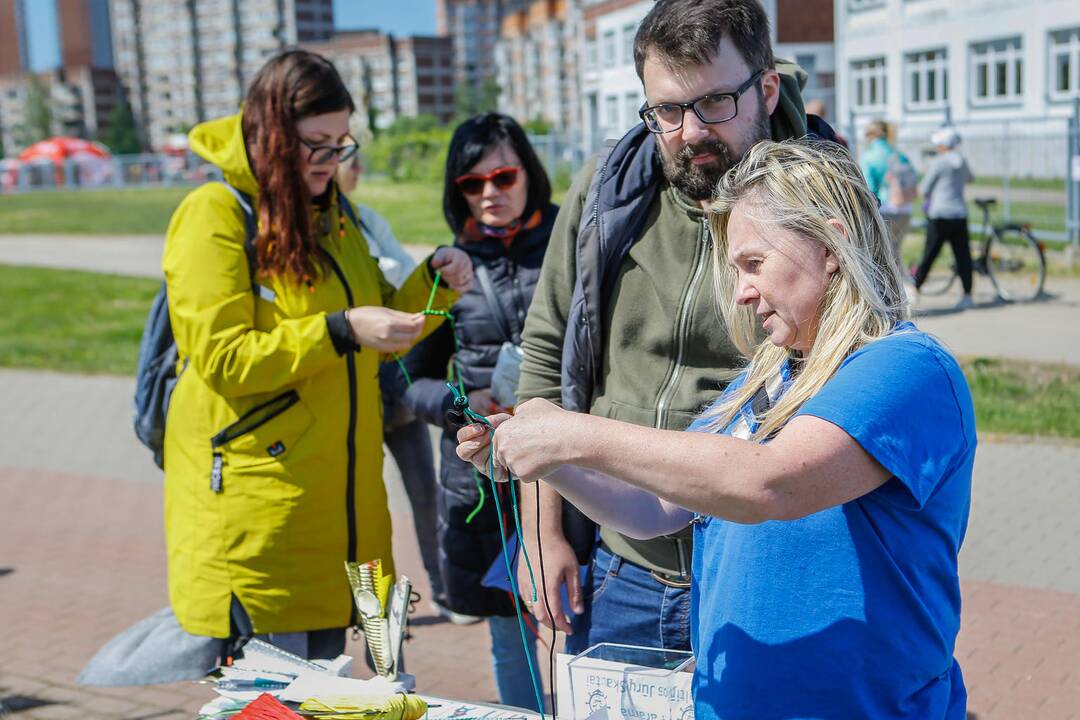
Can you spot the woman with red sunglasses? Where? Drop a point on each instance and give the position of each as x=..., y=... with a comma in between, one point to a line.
x=497, y=202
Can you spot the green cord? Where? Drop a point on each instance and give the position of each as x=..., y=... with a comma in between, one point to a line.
x=455, y=377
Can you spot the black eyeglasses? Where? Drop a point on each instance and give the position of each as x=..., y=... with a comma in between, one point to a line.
x=710, y=109
x=322, y=154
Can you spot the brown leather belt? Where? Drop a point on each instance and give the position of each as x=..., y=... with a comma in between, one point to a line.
x=672, y=580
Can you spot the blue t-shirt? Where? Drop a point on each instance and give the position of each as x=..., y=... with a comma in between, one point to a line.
x=851, y=612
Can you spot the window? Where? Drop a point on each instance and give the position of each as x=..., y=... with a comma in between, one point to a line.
x=612, y=117
x=633, y=103
x=856, y=5
x=592, y=57
x=997, y=72
x=926, y=79
x=610, y=49
x=868, y=85
x=1064, y=66
x=628, y=32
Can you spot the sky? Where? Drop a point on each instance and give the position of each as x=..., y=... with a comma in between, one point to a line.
x=400, y=17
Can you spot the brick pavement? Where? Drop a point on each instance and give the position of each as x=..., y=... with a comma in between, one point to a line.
x=86, y=560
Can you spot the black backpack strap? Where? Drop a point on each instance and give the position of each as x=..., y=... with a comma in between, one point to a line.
x=350, y=212
x=252, y=228
x=488, y=288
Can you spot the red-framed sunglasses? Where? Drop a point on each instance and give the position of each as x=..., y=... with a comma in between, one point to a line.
x=473, y=183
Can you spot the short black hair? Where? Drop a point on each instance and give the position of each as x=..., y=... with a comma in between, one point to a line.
x=688, y=32
x=472, y=140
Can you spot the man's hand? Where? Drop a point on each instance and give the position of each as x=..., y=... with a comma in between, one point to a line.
x=455, y=266
x=384, y=329
x=560, y=568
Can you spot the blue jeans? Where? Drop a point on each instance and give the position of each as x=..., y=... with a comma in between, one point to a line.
x=511, y=664
x=625, y=604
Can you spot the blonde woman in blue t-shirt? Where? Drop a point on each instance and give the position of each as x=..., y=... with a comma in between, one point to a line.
x=829, y=486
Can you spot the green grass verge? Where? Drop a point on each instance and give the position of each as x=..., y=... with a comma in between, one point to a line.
x=91, y=323
x=72, y=321
x=145, y=211
x=1025, y=398
x=413, y=209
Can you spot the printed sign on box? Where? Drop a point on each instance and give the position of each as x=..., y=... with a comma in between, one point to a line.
x=624, y=682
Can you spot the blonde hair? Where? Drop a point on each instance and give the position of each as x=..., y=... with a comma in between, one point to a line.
x=799, y=186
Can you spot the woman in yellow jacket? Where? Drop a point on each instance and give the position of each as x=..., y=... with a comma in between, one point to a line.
x=273, y=442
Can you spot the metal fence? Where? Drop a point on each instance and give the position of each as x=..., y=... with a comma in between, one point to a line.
x=1031, y=166
x=119, y=171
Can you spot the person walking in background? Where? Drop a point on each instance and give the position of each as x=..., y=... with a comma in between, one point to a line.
x=622, y=325
x=891, y=177
x=497, y=202
x=273, y=441
x=405, y=435
x=946, y=211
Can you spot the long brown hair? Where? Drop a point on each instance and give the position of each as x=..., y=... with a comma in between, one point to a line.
x=290, y=87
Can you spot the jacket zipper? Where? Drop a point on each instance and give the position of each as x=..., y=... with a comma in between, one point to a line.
x=248, y=422
x=350, y=442
x=682, y=322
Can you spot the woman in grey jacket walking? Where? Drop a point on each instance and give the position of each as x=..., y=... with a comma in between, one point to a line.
x=946, y=211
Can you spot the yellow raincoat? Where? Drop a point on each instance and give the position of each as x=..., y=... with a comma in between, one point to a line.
x=273, y=442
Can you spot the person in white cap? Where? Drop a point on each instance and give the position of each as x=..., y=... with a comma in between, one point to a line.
x=946, y=211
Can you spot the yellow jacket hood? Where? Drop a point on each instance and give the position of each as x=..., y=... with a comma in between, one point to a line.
x=221, y=142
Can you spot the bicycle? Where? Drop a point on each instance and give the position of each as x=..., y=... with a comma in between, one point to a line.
x=1011, y=257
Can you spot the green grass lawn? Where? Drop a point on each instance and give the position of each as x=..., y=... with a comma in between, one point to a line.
x=1025, y=398
x=144, y=211
x=90, y=323
x=414, y=210
x=72, y=321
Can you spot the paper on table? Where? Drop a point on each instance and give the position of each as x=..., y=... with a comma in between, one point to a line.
x=309, y=685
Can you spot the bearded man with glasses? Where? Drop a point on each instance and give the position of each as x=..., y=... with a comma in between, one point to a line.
x=623, y=323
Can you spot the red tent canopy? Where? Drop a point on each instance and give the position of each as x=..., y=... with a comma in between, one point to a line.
x=57, y=149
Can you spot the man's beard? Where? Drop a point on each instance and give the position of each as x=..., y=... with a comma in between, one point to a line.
x=698, y=182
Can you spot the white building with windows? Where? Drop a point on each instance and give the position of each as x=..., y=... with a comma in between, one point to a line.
x=990, y=67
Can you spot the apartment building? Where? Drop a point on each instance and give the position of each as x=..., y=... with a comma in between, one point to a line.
x=537, y=64
x=474, y=26
x=392, y=77
x=81, y=92
x=801, y=31
x=185, y=61
x=14, y=41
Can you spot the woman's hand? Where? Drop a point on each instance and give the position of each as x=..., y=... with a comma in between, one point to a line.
x=474, y=445
x=384, y=329
x=455, y=266
x=482, y=402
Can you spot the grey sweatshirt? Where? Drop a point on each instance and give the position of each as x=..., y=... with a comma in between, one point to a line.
x=943, y=186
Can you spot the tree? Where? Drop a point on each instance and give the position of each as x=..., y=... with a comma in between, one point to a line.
x=470, y=100
x=37, y=123
x=538, y=126
x=121, y=137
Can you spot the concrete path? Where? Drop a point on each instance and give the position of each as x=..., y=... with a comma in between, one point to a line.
x=137, y=255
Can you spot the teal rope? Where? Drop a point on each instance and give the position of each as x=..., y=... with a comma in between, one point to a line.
x=458, y=391
x=502, y=536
